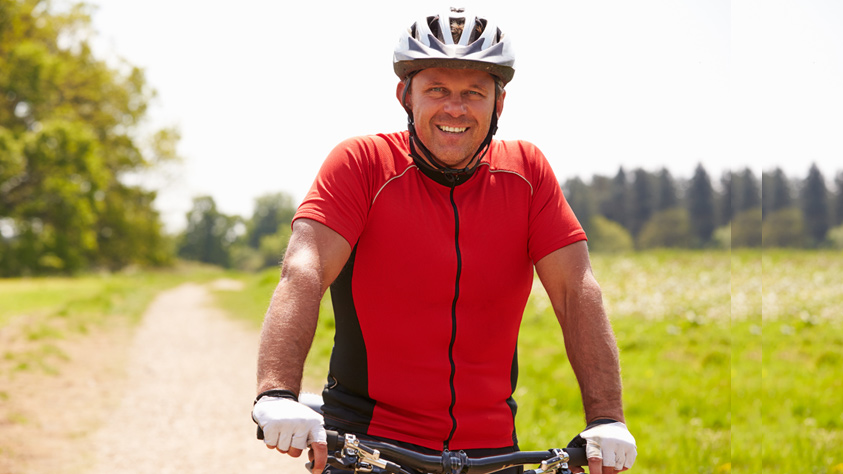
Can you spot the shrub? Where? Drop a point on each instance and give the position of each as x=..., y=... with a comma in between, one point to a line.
x=608, y=236
x=783, y=228
x=666, y=229
x=834, y=238
x=746, y=228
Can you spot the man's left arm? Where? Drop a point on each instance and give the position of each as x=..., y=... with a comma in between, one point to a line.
x=589, y=342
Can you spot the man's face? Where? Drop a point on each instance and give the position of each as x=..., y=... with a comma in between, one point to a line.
x=452, y=109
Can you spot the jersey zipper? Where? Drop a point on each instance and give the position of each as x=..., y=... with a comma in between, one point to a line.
x=454, y=316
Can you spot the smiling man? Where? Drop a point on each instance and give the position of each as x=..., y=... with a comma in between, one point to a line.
x=428, y=240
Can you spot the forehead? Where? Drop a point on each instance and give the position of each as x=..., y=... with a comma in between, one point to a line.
x=456, y=76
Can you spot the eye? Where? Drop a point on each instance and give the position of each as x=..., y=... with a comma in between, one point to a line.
x=437, y=92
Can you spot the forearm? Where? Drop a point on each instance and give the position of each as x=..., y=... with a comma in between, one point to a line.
x=592, y=351
x=287, y=332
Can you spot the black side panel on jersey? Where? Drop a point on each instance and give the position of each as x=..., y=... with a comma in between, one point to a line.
x=513, y=377
x=346, y=395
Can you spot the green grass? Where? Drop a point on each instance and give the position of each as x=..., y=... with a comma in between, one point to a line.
x=801, y=378
x=747, y=428
x=709, y=387
x=670, y=313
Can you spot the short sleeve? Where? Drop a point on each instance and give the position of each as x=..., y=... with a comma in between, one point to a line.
x=553, y=224
x=339, y=197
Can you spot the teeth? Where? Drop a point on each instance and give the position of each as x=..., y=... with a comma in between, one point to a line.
x=452, y=129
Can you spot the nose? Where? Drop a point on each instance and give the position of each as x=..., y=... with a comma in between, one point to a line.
x=455, y=106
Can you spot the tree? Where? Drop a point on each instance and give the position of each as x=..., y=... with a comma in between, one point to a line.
x=776, y=192
x=748, y=193
x=727, y=200
x=667, y=197
x=701, y=206
x=642, y=200
x=69, y=129
x=837, y=219
x=814, y=200
x=746, y=228
x=616, y=206
x=766, y=194
x=271, y=211
x=581, y=199
x=783, y=228
x=210, y=234
x=668, y=228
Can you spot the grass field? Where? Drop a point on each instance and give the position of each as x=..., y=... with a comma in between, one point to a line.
x=711, y=386
x=701, y=395
x=802, y=361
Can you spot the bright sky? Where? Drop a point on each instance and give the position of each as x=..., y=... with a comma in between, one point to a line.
x=262, y=90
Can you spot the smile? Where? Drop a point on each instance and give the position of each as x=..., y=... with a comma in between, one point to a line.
x=453, y=129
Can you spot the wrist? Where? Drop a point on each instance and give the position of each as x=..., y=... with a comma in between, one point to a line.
x=277, y=392
x=601, y=421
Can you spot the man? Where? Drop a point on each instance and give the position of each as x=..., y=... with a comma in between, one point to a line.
x=428, y=240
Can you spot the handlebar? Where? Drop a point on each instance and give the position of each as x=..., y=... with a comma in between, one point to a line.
x=375, y=452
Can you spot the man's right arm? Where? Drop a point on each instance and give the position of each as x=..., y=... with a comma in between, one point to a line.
x=315, y=256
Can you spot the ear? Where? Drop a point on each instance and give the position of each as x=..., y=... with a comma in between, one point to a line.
x=399, y=92
x=499, y=103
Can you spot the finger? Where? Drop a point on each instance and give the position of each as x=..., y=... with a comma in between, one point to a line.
x=284, y=440
x=576, y=469
x=319, y=451
x=610, y=459
x=270, y=437
x=299, y=441
x=620, y=460
x=294, y=452
x=595, y=465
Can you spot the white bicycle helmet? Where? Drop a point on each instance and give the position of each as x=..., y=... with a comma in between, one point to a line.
x=430, y=43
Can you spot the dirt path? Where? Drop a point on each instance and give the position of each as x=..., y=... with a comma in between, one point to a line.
x=190, y=382
x=171, y=396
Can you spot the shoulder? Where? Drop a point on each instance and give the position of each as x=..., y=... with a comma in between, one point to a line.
x=382, y=150
x=372, y=145
x=518, y=156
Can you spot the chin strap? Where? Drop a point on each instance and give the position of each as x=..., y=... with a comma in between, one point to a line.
x=416, y=145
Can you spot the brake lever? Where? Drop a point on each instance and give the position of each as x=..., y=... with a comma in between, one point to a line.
x=558, y=464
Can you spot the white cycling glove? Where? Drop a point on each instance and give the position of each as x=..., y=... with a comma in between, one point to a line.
x=287, y=423
x=612, y=442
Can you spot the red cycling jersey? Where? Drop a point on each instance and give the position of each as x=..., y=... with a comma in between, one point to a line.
x=429, y=304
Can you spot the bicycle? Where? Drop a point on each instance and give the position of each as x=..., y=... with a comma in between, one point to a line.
x=349, y=453
x=376, y=457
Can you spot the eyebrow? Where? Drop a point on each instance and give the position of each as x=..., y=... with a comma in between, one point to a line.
x=475, y=85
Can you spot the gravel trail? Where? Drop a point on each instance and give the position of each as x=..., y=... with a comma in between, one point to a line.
x=187, y=396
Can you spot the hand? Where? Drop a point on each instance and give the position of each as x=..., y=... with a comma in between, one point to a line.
x=610, y=448
x=289, y=427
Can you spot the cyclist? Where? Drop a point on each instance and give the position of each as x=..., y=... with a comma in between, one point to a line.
x=428, y=239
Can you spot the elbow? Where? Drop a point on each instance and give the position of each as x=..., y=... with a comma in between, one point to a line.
x=581, y=302
x=300, y=270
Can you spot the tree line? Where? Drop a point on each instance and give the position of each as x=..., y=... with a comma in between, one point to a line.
x=642, y=209
x=631, y=210
x=232, y=241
